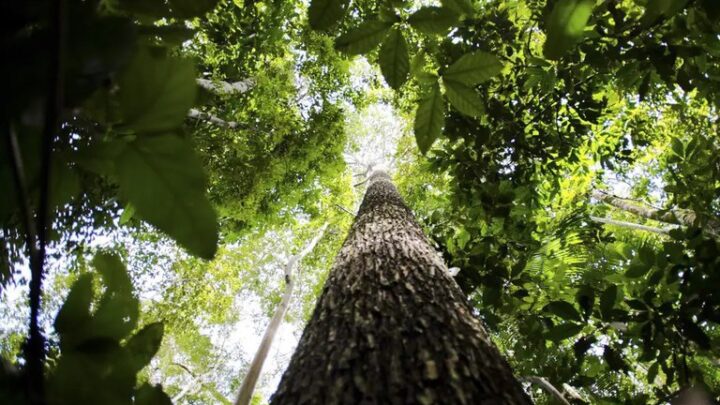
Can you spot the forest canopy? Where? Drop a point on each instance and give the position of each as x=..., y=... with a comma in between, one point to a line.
x=175, y=172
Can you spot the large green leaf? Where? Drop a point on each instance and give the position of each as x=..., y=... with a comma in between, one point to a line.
x=429, y=118
x=118, y=310
x=144, y=344
x=433, y=20
x=74, y=314
x=563, y=309
x=563, y=331
x=156, y=91
x=324, y=14
x=164, y=180
x=394, y=59
x=151, y=395
x=565, y=26
x=363, y=38
x=608, y=298
x=464, y=98
x=473, y=68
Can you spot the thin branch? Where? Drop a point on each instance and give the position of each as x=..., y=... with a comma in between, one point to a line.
x=198, y=115
x=549, y=388
x=631, y=225
x=345, y=210
x=223, y=88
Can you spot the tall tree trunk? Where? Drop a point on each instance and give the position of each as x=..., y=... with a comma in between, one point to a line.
x=248, y=384
x=676, y=216
x=392, y=326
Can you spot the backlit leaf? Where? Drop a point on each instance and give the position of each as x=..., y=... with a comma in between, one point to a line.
x=161, y=176
x=566, y=25
x=465, y=99
x=363, y=38
x=473, y=68
x=394, y=59
x=156, y=92
x=433, y=20
x=429, y=118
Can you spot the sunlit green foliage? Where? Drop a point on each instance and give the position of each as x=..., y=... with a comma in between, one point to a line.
x=517, y=113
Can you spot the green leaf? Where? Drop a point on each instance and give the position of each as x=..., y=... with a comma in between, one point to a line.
x=563, y=331
x=433, y=20
x=143, y=345
x=695, y=333
x=566, y=25
x=459, y=6
x=363, y=38
x=74, y=314
x=429, y=118
x=608, y=299
x=151, y=395
x=637, y=269
x=127, y=215
x=473, y=68
x=394, y=59
x=64, y=184
x=113, y=271
x=324, y=14
x=118, y=310
x=646, y=255
x=652, y=373
x=164, y=180
x=564, y=310
x=465, y=99
x=156, y=92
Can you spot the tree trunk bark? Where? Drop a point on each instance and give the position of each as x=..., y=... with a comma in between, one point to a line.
x=392, y=326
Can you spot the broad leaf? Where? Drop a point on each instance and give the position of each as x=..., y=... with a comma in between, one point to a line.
x=394, y=59
x=473, y=68
x=324, y=14
x=563, y=331
x=429, y=118
x=363, y=38
x=156, y=92
x=163, y=179
x=151, y=395
x=608, y=299
x=74, y=314
x=563, y=309
x=144, y=344
x=566, y=25
x=637, y=269
x=433, y=20
x=464, y=98
x=118, y=310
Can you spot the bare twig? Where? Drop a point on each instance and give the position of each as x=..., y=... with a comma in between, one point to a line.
x=196, y=114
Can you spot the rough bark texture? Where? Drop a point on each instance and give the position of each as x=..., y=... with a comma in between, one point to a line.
x=391, y=326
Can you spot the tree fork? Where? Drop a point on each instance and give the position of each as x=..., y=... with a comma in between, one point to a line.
x=392, y=326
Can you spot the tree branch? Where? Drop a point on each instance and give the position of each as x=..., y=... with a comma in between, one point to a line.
x=631, y=225
x=198, y=115
x=549, y=388
x=223, y=88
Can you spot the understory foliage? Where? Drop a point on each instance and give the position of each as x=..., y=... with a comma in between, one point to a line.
x=562, y=154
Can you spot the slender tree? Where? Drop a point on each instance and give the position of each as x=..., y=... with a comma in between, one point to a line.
x=248, y=384
x=392, y=326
